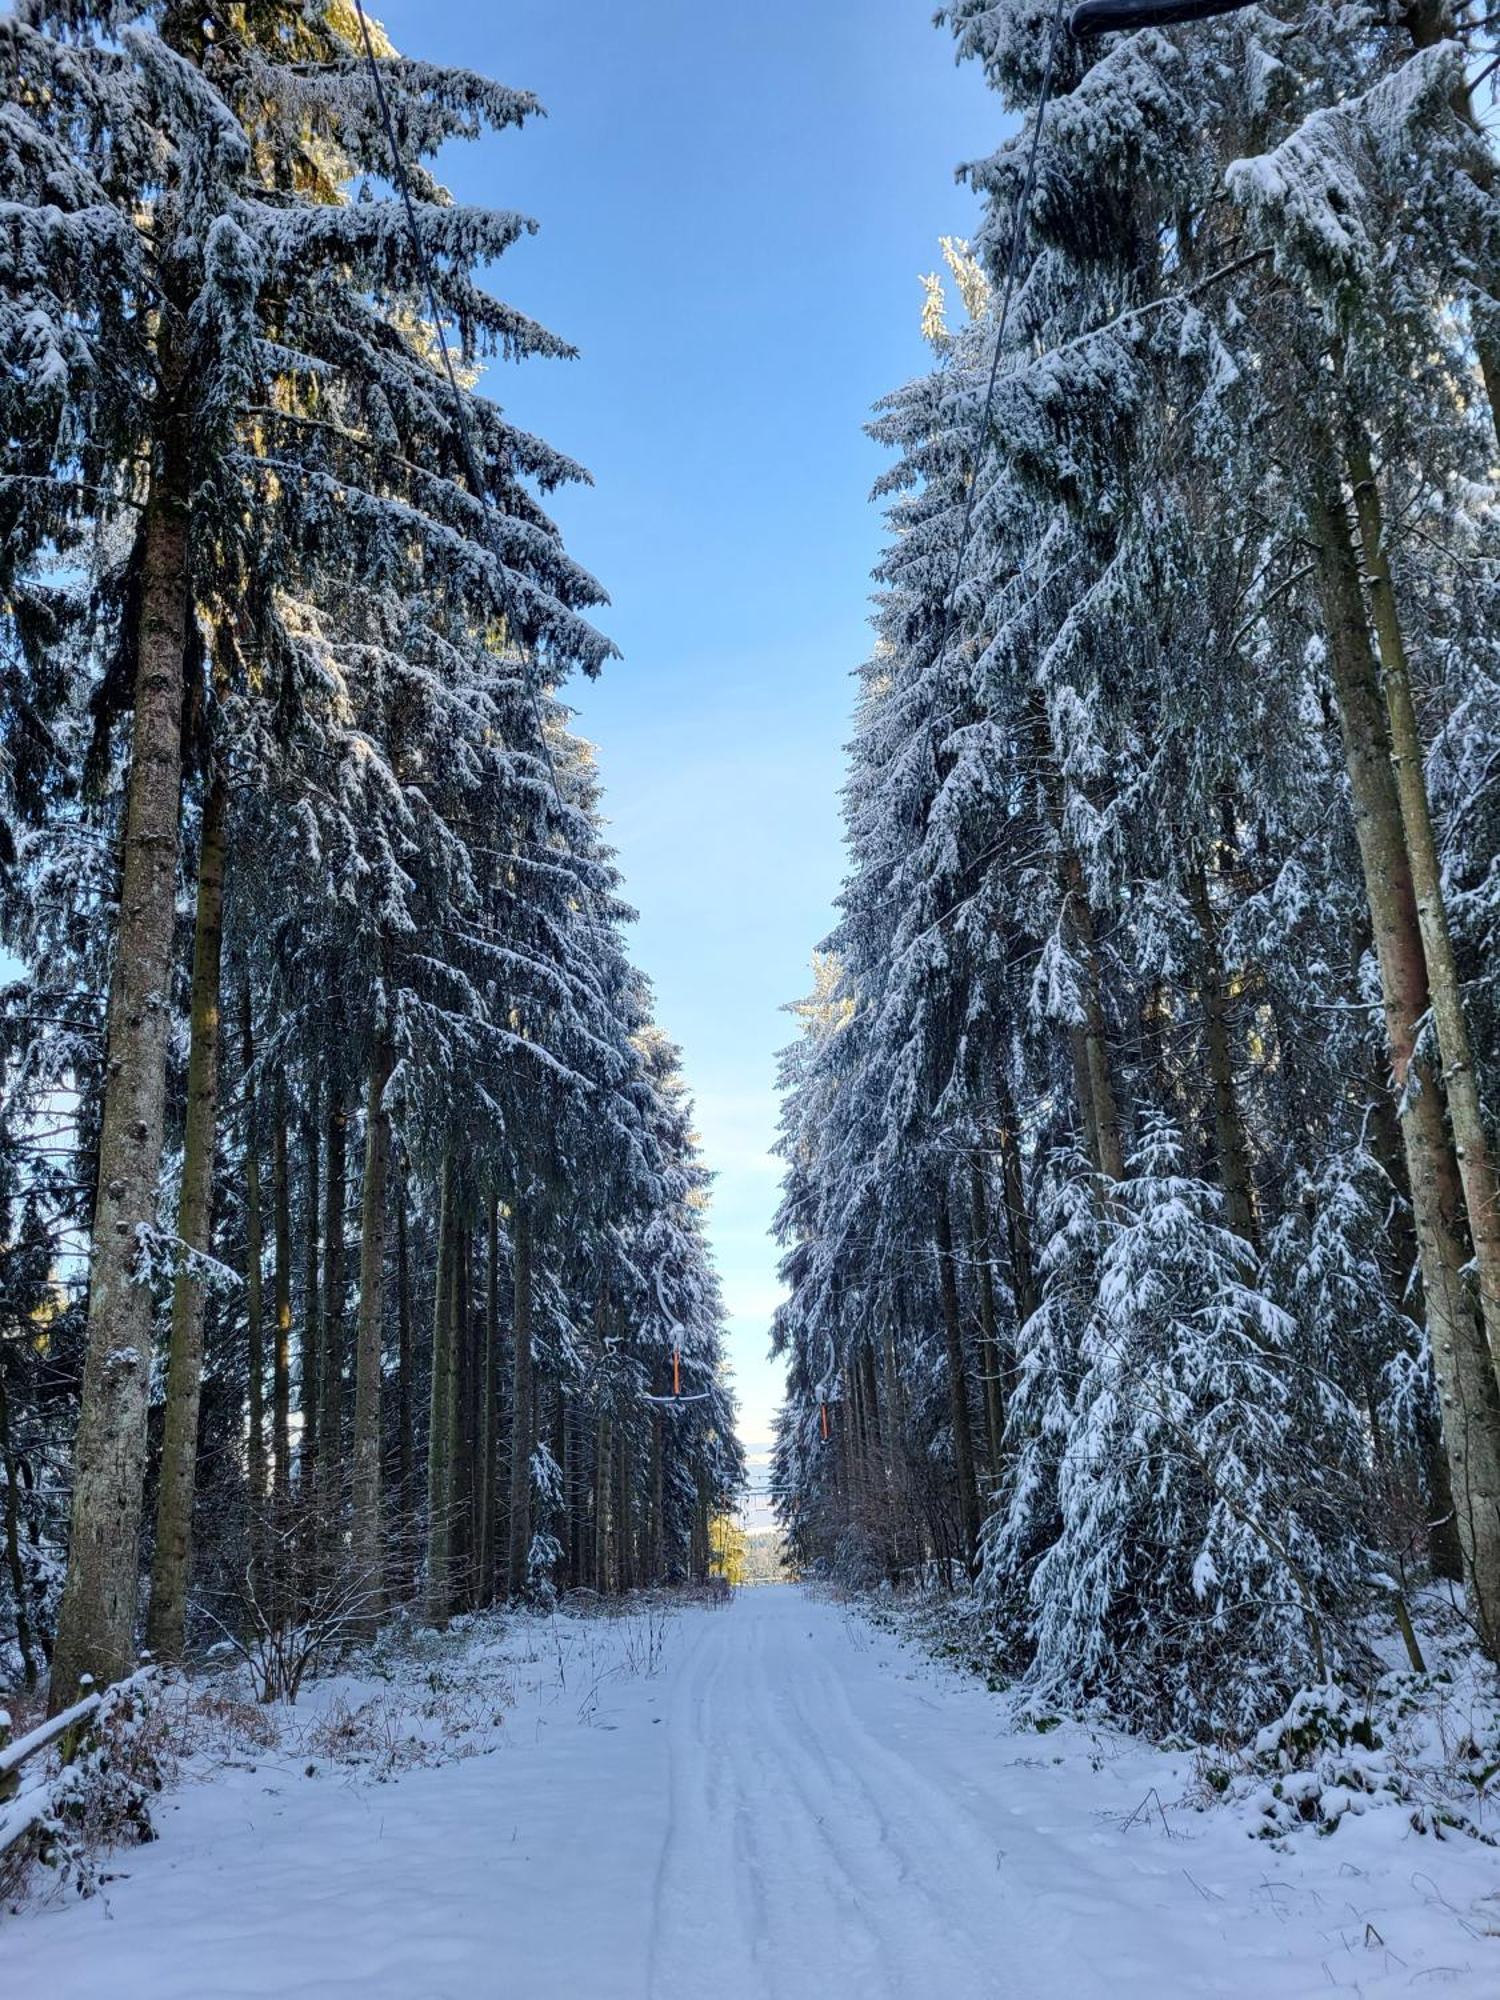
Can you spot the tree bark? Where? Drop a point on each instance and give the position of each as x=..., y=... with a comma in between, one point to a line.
x=1109, y=1151
x=406, y=1427
x=462, y=1445
x=255, y=1328
x=602, y=1481
x=311, y=1312
x=1088, y=1038
x=13, y=1536
x=989, y=1339
x=331, y=1415
x=489, y=1408
x=172, y=1560
x=658, y=1542
x=958, y=1393
x=368, y=1345
x=1466, y=1379
x=1024, y=1287
x=624, y=1531
x=520, y=1433
x=1476, y=1170
x=96, y=1622
x=1230, y=1142
x=281, y=1267
x=440, y=1413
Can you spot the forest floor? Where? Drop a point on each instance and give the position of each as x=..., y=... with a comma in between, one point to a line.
x=772, y=1798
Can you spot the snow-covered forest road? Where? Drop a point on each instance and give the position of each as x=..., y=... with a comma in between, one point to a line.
x=774, y=1799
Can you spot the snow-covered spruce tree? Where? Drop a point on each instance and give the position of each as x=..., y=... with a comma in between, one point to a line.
x=421, y=955
x=1140, y=110
x=123, y=162
x=1131, y=776
x=1186, y=1556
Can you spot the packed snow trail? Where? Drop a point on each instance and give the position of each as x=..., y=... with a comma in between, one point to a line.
x=777, y=1802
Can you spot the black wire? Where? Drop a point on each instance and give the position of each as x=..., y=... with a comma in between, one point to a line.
x=476, y=476
x=1013, y=265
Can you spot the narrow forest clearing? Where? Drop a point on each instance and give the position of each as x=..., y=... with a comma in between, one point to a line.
x=769, y=1799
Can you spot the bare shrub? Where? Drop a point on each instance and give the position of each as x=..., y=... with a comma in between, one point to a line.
x=305, y=1596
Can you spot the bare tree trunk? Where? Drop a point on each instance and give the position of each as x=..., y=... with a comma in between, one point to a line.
x=255, y=1327
x=1481, y=1198
x=96, y=1623
x=1109, y=1152
x=562, y=1431
x=989, y=1340
x=1444, y=1554
x=1023, y=1284
x=13, y=1536
x=958, y=1393
x=331, y=1416
x=520, y=1435
x=489, y=1406
x=1466, y=1379
x=281, y=1265
x=440, y=1414
x=1088, y=1038
x=311, y=1313
x=1230, y=1143
x=872, y=1403
x=623, y=1533
x=658, y=1542
x=463, y=1419
x=369, y=1341
x=172, y=1560
x=406, y=1426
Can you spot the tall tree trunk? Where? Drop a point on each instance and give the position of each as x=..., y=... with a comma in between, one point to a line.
x=11, y=1470
x=657, y=1556
x=989, y=1339
x=406, y=1421
x=96, y=1622
x=489, y=1407
x=1088, y=1038
x=1466, y=1379
x=561, y=1435
x=872, y=1402
x=1104, y=1121
x=255, y=1325
x=369, y=1341
x=311, y=1305
x=172, y=1560
x=958, y=1391
x=1230, y=1142
x=1476, y=1169
x=1444, y=1554
x=1023, y=1282
x=602, y=1479
x=440, y=1413
x=626, y=1519
x=281, y=1265
x=520, y=1434
x=463, y=1419
x=331, y=1415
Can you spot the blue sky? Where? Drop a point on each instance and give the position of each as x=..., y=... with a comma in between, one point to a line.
x=735, y=204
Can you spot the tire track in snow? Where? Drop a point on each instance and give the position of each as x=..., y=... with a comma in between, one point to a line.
x=948, y=1840
x=703, y=1852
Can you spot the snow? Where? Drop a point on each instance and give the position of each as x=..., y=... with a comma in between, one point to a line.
x=773, y=1798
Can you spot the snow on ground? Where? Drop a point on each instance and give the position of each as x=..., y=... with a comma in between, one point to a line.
x=772, y=1799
